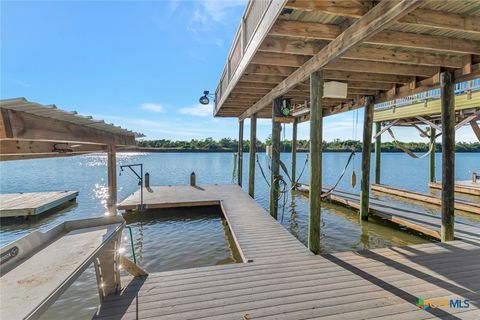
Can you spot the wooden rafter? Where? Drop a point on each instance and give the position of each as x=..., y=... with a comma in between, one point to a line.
x=319, y=31
x=371, y=23
x=420, y=17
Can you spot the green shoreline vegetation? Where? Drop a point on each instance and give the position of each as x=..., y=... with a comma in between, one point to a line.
x=231, y=145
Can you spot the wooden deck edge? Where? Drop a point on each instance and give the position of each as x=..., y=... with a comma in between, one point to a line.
x=466, y=206
x=234, y=236
x=458, y=188
x=199, y=203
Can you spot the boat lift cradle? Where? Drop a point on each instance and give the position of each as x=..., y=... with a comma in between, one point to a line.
x=38, y=268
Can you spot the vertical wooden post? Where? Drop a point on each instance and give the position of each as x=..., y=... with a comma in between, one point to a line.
x=432, y=154
x=447, y=100
x=112, y=179
x=366, y=154
x=253, y=149
x=316, y=139
x=107, y=268
x=294, y=152
x=275, y=165
x=240, y=152
x=378, y=152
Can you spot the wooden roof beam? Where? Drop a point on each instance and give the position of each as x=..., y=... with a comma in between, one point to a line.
x=309, y=48
x=22, y=149
x=428, y=84
x=382, y=15
x=295, y=61
x=419, y=17
x=261, y=73
x=318, y=31
x=26, y=126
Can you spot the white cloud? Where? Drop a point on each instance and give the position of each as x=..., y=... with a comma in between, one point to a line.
x=155, y=107
x=198, y=110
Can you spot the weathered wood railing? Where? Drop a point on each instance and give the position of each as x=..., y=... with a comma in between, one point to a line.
x=254, y=13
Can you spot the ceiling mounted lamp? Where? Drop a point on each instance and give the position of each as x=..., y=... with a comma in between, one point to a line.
x=205, y=99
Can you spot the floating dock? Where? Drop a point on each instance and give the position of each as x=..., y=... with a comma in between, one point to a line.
x=281, y=279
x=33, y=203
x=466, y=187
x=420, y=221
x=464, y=205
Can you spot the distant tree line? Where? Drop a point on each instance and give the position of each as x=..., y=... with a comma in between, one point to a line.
x=231, y=145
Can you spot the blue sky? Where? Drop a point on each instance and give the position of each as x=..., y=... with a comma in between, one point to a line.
x=141, y=65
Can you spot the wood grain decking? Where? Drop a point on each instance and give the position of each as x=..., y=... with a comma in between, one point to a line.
x=285, y=281
x=423, y=222
x=32, y=203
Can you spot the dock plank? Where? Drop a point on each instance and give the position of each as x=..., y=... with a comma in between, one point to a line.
x=33, y=203
x=285, y=281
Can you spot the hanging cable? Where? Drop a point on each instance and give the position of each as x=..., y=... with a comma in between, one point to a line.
x=329, y=191
x=408, y=151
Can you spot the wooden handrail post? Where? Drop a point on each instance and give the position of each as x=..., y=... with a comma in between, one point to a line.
x=107, y=268
x=447, y=98
x=253, y=149
x=366, y=155
x=316, y=139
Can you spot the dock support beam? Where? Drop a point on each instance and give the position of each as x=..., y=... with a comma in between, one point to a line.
x=112, y=179
x=253, y=150
x=294, y=152
x=378, y=152
x=447, y=100
x=433, y=132
x=316, y=128
x=275, y=165
x=366, y=154
x=240, y=152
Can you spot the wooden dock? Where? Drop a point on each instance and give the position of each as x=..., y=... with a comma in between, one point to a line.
x=466, y=187
x=33, y=203
x=284, y=280
x=420, y=221
x=464, y=205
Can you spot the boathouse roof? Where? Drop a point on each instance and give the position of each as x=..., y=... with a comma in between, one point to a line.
x=386, y=49
x=32, y=130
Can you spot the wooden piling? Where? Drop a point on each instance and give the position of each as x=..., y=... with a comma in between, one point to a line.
x=447, y=98
x=294, y=152
x=316, y=128
x=378, y=152
x=253, y=149
x=275, y=165
x=112, y=179
x=366, y=154
x=240, y=152
x=432, y=154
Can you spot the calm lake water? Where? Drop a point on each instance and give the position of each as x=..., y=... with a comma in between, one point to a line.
x=176, y=239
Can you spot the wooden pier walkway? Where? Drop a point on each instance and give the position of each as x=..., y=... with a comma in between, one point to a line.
x=460, y=204
x=466, y=187
x=283, y=280
x=423, y=222
x=33, y=203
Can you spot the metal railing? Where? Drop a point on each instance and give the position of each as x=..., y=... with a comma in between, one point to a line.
x=460, y=88
x=251, y=19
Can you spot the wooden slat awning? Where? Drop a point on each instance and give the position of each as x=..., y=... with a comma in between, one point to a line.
x=386, y=49
x=32, y=130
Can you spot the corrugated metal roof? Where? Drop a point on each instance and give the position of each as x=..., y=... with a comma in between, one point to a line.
x=51, y=111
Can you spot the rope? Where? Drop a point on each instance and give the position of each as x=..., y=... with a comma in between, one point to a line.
x=263, y=173
x=329, y=191
x=408, y=151
x=303, y=169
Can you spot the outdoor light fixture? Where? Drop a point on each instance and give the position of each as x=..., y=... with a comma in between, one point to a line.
x=205, y=98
